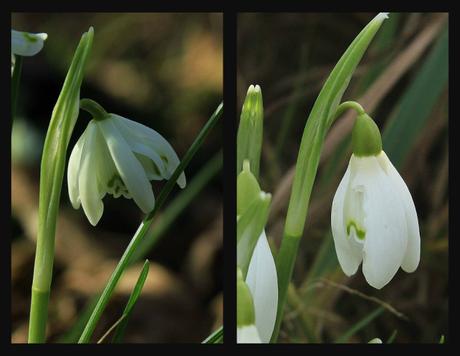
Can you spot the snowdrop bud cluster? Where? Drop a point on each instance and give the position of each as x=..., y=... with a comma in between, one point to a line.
x=118, y=156
x=261, y=277
x=373, y=216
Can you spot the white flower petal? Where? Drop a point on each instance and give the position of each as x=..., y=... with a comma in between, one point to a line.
x=87, y=178
x=73, y=171
x=129, y=168
x=384, y=222
x=412, y=256
x=26, y=44
x=349, y=253
x=136, y=132
x=262, y=281
x=247, y=335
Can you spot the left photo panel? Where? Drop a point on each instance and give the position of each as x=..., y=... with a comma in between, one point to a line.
x=116, y=178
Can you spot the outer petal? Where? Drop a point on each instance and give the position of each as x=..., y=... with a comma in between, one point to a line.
x=349, y=252
x=136, y=132
x=247, y=335
x=87, y=178
x=73, y=171
x=129, y=168
x=412, y=256
x=27, y=44
x=262, y=280
x=385, y=224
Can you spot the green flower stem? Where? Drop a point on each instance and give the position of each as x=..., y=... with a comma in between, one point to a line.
x=318, y=123
x=93, y=108
x=143, y=228
x=52, y=168
x=15, y=85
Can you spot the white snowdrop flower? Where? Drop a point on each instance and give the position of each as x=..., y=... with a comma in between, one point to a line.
x=118, y=156
x=262, y=281
x=373, y=215
x=27, y=44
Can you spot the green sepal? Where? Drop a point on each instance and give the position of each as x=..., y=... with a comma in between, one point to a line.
x=245, y=313
x=247, y=189
x=366, y=138
x=249, y=226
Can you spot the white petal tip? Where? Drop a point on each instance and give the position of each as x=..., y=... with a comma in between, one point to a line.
x=382, y=16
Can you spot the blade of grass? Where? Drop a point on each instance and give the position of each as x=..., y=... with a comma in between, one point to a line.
x=359, y=325
x=177, y=206
x=144, y=226
x=418, y=102
x=120, y=331
x=217, y=337
x=392, y=337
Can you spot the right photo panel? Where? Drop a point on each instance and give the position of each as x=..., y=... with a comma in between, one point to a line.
x=342, y=177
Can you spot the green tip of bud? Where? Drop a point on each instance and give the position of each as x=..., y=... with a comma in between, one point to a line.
x=253, y=105
x=366, y=138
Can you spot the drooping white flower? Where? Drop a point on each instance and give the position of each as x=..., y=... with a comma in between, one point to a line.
x=374, y=220
x=27, y=44
x=118, y=156
x=262, y=281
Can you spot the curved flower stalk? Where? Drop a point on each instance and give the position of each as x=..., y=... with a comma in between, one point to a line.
x=118, y=156
x=373, y=215
x=246, y=330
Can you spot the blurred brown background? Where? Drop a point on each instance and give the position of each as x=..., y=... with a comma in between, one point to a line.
x=402, y=82
x=165, y=71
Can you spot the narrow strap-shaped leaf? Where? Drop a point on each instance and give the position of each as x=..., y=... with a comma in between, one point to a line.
x=120, y=330
x=217, y=337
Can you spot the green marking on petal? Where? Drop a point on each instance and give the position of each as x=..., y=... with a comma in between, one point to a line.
x=360, y=233
x=29, y=37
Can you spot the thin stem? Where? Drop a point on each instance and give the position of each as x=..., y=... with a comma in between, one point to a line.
x=15, y=85
x=143, y=228
x=96, y=110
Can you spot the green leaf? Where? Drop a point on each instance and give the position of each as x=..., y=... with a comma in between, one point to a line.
x=359, y=325
x=120, y=331
x=217, y=337
x=417, y=103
